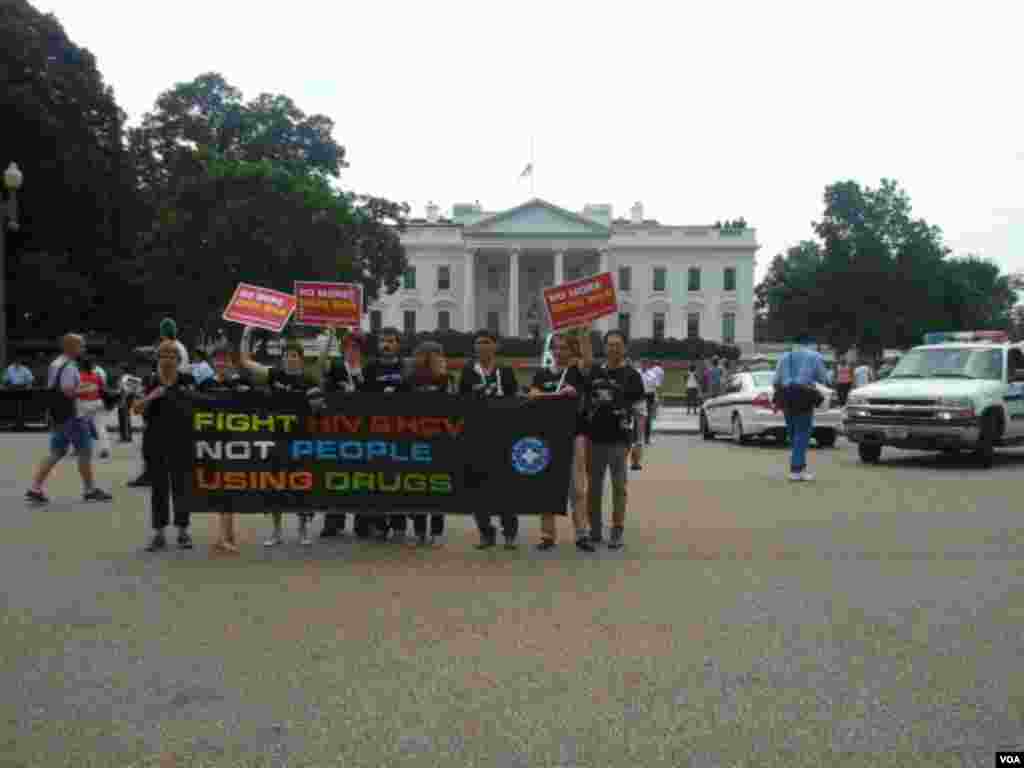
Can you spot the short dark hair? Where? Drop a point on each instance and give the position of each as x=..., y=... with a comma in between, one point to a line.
x=615, y=332
x=483, y=333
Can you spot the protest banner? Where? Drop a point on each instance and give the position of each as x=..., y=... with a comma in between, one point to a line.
x=260, y=307
x=573, y=304
x=325, y=304
x=376, y=454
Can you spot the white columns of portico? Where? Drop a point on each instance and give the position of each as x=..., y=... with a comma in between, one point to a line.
x=468, y=306
x=604, y=324
x=513, y=293
x=559, y=267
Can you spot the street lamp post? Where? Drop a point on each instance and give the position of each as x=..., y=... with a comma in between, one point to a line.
x=8, y=220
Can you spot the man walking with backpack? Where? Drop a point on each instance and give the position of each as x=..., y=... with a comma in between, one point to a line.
x=67, y=427
x=795, y=378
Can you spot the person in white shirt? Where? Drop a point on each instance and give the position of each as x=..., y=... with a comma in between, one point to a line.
x=654, y=376
x=692, y=390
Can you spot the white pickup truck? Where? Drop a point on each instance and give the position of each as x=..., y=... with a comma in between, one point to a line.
x=947, y=397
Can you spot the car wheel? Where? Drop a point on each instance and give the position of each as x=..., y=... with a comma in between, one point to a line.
x=984, y=451
x=826, y=438
x=705, y=428
x=870, y=453
x=737, y=430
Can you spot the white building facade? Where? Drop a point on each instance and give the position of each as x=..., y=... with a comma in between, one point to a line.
x=488, y=270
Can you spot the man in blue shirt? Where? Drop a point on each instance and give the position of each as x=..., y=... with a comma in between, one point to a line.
x=18, y=376
x=800, y=367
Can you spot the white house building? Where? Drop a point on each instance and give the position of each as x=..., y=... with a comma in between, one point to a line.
x=479, y=269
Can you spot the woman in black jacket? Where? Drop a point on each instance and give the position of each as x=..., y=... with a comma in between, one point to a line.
x=167, y=428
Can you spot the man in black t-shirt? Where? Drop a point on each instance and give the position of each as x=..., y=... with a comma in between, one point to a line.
x=486, y=379
x=614, y=389
x=383, y=375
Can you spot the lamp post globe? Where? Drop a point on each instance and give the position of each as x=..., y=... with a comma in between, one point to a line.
x=13, y=177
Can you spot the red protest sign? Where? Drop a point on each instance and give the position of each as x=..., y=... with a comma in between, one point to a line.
x=581, y=301
x=326, y=304
x=260, y=307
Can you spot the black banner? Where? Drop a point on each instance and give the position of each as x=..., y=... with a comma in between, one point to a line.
x=378, y=454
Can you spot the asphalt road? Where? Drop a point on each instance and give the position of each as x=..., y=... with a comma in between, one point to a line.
x=871, y=618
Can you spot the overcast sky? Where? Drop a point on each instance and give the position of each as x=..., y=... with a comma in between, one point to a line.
x=701, y=111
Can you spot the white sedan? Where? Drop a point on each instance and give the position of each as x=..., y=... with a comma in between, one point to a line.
x=744, y=410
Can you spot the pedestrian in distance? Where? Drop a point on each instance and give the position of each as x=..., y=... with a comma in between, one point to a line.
x=798, y=371
x=692, y=390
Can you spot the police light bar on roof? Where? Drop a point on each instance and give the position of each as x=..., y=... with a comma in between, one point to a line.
x=945, y=337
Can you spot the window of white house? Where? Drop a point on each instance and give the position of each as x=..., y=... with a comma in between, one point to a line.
x=660, y=279
x=729, y=328
x=693, y=325
x=409, y=321
x=729, y=279
x=376, y=321
x=493, y=280
x=444, y=278
x=444, y=320
x=693, y=279
x=626, y=279
x=493, y=323
x=624, y=323
x=409, y=279
x=658, y=325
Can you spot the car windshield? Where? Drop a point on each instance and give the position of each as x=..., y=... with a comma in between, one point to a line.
x=955, y=363
x=762, y=380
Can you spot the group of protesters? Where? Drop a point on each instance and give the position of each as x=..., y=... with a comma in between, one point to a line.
x=613, y=413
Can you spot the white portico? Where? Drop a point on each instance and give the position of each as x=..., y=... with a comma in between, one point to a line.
x=479, y=269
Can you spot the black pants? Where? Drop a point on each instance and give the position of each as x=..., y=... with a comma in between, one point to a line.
x=334, y=521
x=419, y=524
x=843, y=391
x=124, y=419
x=509, y=525
x=167, y=484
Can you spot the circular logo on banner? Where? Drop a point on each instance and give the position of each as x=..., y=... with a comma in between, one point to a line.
x=530, y=456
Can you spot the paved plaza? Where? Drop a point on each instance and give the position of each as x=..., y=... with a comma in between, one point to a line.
x=872, y=618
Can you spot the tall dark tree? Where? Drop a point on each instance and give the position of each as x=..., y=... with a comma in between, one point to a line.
x=63, y=127
x=244, y=191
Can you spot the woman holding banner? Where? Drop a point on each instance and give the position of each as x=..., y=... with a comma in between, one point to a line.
x=345, y=376
x=564, y=379
x=225, y=380
x=166, y=427
x=430, y=374
x=290, y=378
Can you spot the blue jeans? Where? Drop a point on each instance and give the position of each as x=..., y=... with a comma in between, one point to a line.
x=798, y=430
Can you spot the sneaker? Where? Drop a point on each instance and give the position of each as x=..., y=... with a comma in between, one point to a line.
x=487, y=542
x=275, y=539
x=636, y=467
x=584, y=546
x=806, y=476
x=97, y=495
x=36, y=497
x=184, y=540
x=157, y=543
x=511, y=543
x=615, y=542
x=139, y=482
x=105, y=455
x=546, y=544
x=796, y=477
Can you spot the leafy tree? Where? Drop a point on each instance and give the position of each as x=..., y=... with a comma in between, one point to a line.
x=63, y=127
x=243, y=191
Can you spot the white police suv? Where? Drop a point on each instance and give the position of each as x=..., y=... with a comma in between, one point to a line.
x=960, y=391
